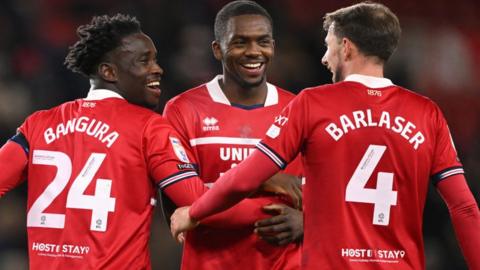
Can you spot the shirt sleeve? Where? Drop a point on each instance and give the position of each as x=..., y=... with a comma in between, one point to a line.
x=242, y=215
x=167, y=159
x=445, y=162
x=465, y=216
x=236, y=184
x=285, y=137
x=13, y=165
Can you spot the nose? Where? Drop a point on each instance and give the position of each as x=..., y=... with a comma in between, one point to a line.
x=157, y=69
x=253, y=49
x=324, y=60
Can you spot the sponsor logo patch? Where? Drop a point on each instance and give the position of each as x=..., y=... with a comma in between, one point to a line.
x=273, y=131
x=179, y=150
x=186, y=166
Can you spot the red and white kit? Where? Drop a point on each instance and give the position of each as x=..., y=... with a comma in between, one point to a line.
x=221, y=135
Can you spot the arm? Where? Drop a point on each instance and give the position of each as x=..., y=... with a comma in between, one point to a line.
x=178, y=113
x=288, y=182
x=234, y=185
x=13, y=162
x=465, y=216
x=244, y=214
x=285, y=184
x=228, y=190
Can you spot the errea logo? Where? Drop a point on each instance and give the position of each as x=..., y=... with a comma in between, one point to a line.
x=210, y=124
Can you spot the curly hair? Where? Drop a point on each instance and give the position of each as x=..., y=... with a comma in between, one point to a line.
x=237, y=8
x=102, y=35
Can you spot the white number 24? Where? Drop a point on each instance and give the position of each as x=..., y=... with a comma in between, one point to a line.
x=101, y=203
x=383, y=196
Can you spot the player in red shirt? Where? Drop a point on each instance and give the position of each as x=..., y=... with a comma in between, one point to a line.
x=370, y=150
x=94, y=165
x=223, y=120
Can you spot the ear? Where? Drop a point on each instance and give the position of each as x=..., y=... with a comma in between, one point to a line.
x=107, y=72
x=217, y=50
x=348, y=48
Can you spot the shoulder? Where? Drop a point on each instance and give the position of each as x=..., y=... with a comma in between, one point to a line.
x=319, y=90
x=47, y=113
x=284, y=96
x=189, y=96
x=417, y=99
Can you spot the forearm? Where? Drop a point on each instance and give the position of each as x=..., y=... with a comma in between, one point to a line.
x=245, y=214
x=13, y=162
x=465, y=216
x=234, y=185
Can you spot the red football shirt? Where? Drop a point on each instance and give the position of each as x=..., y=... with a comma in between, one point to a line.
x=370, y=148
x=91, y=169
x=221, y=135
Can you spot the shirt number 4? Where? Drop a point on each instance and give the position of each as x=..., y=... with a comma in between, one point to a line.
x=100, y=203
x=383, y=196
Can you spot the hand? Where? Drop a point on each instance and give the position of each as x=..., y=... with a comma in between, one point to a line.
x=285, y=184
x=283, y=228
x=181, y=222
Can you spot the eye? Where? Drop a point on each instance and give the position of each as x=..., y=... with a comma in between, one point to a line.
x=238, y=42
x=265, y=42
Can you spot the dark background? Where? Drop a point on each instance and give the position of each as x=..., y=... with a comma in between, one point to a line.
x=438, y=56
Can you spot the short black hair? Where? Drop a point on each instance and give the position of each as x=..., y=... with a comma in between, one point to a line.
x=102, y=35
x=237, y=8
x=372, y=27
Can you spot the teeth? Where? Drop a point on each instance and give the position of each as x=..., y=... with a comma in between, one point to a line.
x=153, y=84
x=257, y=65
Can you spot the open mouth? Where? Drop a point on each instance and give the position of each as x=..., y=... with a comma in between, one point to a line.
x=253, y=69
x=253, y=66
x=154, y=87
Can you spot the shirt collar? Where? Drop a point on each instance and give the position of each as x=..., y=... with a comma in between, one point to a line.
x=99, y=94
x=217, y=94
x=369, y=81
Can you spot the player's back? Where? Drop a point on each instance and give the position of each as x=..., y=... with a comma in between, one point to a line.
x=377, y=148
x=89, y=194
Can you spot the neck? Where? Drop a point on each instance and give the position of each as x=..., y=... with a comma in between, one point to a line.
x=97, y=84
x=365, y=66
x=239, y=94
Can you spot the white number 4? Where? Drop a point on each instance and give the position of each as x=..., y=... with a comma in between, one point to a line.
x=101, y=203
x=383, y=196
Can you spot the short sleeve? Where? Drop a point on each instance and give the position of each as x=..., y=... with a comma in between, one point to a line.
x=167, y=159
x=285, y=137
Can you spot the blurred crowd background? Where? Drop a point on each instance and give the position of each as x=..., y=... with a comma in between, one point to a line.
x=439, y=56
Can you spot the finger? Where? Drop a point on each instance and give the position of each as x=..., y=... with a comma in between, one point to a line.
x=181, y=238
x=270, y=221
x=300, y=198
x=278, y=239
x=276, y=208
x=277, y=228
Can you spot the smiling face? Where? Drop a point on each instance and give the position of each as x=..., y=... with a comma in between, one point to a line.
x=136, y=70
x=333, y=58
x=246, y=49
